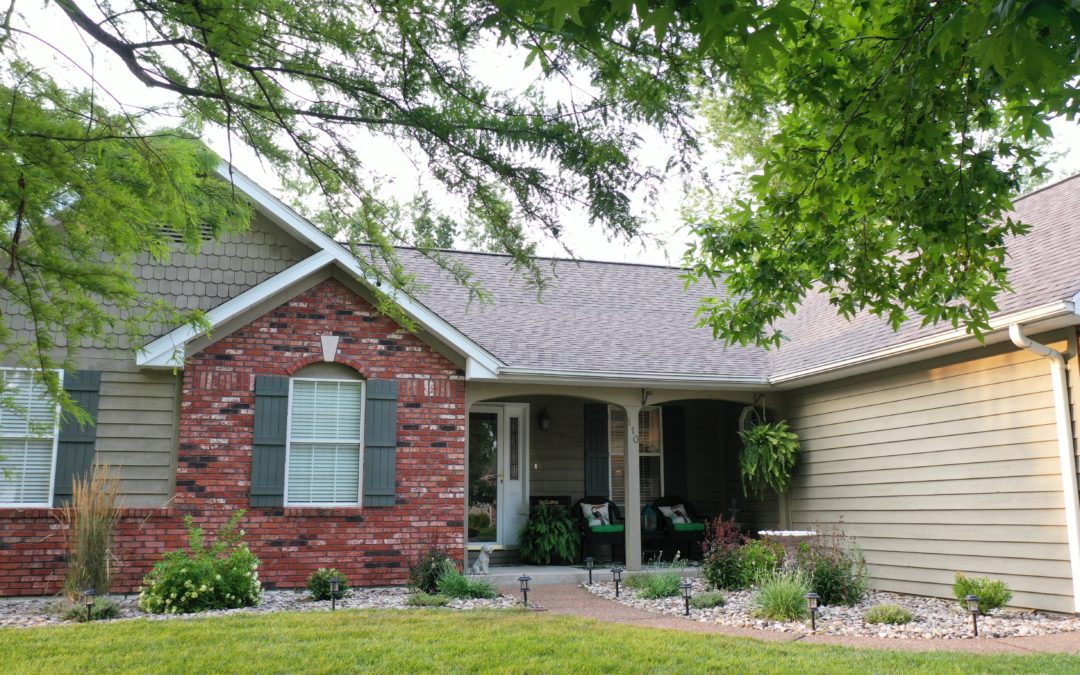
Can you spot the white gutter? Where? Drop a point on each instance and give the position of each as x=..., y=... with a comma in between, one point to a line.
x=1050, y=316
x=634, y=379
x=169, y=350
x=1066, y=453
x=280, y=213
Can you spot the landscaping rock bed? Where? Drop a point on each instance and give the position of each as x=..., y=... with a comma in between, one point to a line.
x=26, y=612
x=933, y=617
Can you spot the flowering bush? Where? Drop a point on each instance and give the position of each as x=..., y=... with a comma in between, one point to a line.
x=221, y=576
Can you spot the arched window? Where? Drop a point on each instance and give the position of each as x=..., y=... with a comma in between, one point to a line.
x=324, y=455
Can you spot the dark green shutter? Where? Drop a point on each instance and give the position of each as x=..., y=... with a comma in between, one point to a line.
x=268, y=449
x=380, y=443
x=596, y=450
x=674, y=450
x=75, y=447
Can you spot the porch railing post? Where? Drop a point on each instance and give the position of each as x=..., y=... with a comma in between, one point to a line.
x=633, y=490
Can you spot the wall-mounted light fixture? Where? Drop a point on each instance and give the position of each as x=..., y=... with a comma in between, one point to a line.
x=544, y=420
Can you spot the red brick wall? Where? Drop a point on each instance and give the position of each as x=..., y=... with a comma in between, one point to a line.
x=373, y=546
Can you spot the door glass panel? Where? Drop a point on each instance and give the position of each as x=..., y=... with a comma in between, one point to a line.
x=515, y=447
x=483, y=476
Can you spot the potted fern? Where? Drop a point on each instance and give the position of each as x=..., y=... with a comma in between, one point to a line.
x=770, y=451
x=549, y=536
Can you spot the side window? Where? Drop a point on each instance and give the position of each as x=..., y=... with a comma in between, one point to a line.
x=325, y=442
x=28, y=431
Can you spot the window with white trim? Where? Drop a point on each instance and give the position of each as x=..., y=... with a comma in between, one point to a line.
x=28, y=431
x=326, y=439
x=650, y=451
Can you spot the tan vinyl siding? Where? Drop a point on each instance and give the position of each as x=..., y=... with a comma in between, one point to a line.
x=136, y=431
x=941, y=466
x=557, y=456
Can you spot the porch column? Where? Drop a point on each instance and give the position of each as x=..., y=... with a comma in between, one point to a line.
x=632, y=516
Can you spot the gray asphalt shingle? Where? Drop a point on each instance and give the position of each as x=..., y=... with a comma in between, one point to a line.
x=609, y=317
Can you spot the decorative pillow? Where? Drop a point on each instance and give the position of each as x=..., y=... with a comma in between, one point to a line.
x=596, y=514
x=676, y=514
x=679, y=514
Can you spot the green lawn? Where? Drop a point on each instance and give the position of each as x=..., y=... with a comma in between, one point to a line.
x=405, y=642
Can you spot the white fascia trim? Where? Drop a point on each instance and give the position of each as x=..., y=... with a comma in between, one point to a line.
x=1052, y=315
x=168, y=351
x=627, y=379
x=281, y=214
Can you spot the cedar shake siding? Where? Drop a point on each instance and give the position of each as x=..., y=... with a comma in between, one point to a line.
x=373, y=545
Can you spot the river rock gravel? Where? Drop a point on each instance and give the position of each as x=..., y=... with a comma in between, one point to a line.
x=932, y=617
x=28, y=612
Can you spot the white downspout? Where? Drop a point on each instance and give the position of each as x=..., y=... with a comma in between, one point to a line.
x=1065, y=448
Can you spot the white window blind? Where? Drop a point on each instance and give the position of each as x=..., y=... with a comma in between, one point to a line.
x=650, y=449
x=325, y=441
x=27, y=439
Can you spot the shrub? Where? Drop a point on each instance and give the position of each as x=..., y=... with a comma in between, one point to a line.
x=656, y=585
x=782, y=596
x=708, y=600
x=426, y=600
x=548, y=534
x=318, y=584
x=221, y=576
x=893, y=614
x=91, y=519
x=759, y=559
x=992, y=593
x=721, y=566
x=454, y=584
x=479, y=521
x=836, y=568
x=104, y=608
x=424, y=575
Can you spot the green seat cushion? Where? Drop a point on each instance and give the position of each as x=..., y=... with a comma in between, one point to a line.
x=606, y=528
x=689, y=527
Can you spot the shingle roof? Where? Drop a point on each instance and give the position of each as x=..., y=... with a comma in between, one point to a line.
x=616, y=317
x=1043, y=267
x=593, y=316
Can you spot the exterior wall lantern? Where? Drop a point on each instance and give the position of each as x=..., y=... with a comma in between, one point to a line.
x=544, y=420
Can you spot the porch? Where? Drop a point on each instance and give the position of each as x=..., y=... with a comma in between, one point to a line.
x=560, y=444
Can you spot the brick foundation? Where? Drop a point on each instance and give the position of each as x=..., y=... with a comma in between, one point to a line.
x=372, y=546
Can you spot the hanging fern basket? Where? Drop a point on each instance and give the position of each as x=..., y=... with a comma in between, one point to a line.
x=770, y=452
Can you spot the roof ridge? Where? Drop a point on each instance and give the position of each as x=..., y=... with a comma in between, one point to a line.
x=1048, y=186
x=491, y=254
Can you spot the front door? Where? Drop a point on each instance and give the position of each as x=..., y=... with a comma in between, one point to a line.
x=498, y=462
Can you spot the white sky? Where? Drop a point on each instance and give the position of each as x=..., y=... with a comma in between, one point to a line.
x=586, y=241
